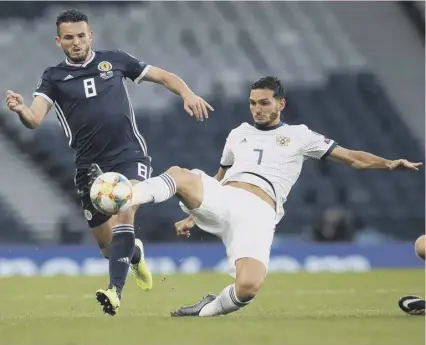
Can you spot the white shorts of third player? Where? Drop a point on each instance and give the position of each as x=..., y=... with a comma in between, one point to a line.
x=244, y=222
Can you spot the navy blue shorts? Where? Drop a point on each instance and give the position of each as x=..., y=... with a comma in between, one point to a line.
x=135, y=170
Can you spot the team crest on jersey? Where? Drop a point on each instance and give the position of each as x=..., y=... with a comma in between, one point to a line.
x=105, y=66
x=283, y=141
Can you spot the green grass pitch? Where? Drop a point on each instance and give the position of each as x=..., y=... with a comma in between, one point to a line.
x=292, y=309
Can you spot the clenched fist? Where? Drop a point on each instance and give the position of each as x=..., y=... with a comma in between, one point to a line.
x=14, y=101
x=184, y=226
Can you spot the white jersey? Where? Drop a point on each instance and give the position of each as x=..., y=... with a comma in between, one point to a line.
x=271, y=158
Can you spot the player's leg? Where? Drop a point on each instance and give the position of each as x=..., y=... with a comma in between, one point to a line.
x=124, y=250
x=99, y=223
x=250, y=275
x=155, y=189
x=103, y=236
x=200, y=195
x=105, y=230
x=123, y=226
x=248, y=238
x=251, y=269
x=101, y=228
x=138, y=264
x=247, y=241
x=415, y=305
x=175, y=180
x=120, y=252
x=185, y=184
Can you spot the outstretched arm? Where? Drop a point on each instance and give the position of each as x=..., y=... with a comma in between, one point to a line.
x=365, y=160
x=193, y=104
x=139, y=71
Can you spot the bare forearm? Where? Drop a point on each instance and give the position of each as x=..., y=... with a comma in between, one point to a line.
x=27, y=118
x=365, y=160
x=176, y=85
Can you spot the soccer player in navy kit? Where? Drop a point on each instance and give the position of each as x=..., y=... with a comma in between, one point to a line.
x=90, y=98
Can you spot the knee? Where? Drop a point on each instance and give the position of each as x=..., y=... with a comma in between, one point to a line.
x=177, y=172
x=248, y=288
x=182, y=176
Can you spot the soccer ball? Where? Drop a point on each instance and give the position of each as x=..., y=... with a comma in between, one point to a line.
x=111, y=193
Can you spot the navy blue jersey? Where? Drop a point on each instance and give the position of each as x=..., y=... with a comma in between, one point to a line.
x=93, y=106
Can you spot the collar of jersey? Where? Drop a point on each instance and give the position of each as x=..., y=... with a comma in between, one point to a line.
x=260, y=128
x=81, y=65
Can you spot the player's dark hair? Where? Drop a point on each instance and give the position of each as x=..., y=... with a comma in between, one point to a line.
x=270, y=83
x=70, y=16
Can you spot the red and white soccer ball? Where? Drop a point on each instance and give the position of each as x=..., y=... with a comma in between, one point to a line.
x=111, y=193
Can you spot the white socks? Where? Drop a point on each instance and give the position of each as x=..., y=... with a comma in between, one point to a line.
x=153, y=190
x=227, y=302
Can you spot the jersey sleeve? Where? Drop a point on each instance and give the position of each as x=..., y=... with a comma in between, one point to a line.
x=45, y=88
x=227, y=159
x=134, y=68
x=315, y=145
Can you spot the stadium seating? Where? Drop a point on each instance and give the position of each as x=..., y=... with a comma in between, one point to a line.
x=13, y=229
x=330, y=89
x=207, y=50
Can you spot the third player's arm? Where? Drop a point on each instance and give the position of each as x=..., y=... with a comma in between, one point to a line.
x=366, y=160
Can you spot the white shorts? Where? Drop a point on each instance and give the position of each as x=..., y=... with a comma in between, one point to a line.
x=244, y=222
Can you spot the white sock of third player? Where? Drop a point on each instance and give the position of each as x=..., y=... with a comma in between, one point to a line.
x=227, y=302
x=153, y=190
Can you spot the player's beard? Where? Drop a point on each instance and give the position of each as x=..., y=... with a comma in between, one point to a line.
x=78, y=59
x=272, y=118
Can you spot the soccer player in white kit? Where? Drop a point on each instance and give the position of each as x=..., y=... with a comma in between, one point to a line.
x=244, y=201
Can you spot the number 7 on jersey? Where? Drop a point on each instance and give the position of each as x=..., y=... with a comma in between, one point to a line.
x=259, y=159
